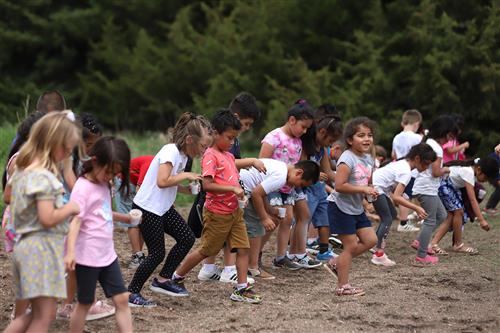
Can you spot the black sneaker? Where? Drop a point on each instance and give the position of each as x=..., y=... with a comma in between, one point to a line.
x=246, y=295
x=286, y=263
x=137, y=301
x=307, y=262
x=170, y=287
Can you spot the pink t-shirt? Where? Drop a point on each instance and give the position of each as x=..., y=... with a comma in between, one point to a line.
x=94, y=244
x=221, y=167
x=452, y=157
x=286, y=149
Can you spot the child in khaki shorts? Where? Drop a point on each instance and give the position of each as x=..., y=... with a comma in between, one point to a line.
x=222, y=215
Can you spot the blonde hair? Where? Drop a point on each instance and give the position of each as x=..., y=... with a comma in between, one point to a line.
x=411, y=117
x=189, y=124
x=48, y=134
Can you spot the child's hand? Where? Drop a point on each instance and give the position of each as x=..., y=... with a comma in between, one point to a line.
x=192, y=176
x=268, y=224
x=259, y=165
x=370, y=190
x=239, y=192
x=465, y=145
x=484, y=225
x=73, y=208
x=421, y=213
x=69, y=261
x=323, y=177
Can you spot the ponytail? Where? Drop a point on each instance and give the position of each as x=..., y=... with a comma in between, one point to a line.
x=488, y=165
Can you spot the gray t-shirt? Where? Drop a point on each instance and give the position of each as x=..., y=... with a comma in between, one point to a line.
x=361, y=171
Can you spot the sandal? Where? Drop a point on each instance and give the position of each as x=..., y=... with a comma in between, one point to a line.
x=465, y=249
x=438, y=250
x=348, y=290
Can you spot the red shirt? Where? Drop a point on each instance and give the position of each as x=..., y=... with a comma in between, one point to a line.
x=221, y=167
x=138, y=168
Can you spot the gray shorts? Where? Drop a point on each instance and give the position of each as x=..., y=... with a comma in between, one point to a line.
x=252, y=220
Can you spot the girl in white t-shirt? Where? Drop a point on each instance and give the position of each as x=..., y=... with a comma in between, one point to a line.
x=155, y=198
x=463, y=174
x=392, y=179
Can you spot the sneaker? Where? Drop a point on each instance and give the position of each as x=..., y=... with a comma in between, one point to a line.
x=209, y=276
x=427, y=260
x=137, y=301
x=307, y=262
x=326, y=256
x=335, y=241
x=64, y=312
x=233, y=278
x=260, y=273
x=100, y=310
x=413, y=217
x=382, y=261
x=170, y=287
x=246, y=295
x=332, y=269
x=286, y=263
x=312, y=247
x=408, y=227
x=490, y=212
x=136, y=260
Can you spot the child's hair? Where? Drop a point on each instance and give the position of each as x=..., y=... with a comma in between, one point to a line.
x=459, y=121
x=245, y=105
x=424, y=151
x=311, y=170
x=411, y=117
x=23, y=131
x=353, y=125
x=301, y=110
x=51, y=100
x=51, y=132
x=224, y=120
x=441, y=127
x=327, y=109
x=489, y=166
x=333, y=128
x=189, y=124
x=107, y=152
x=380, y=151
x=90, y=125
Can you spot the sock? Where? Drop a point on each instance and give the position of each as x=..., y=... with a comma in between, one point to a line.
x=177, y=277
x=403, y=222
x=278, y=258
x=379, y=253
x=229, y=269
x=310, y=241
x=323, y=247
x=209, y=268
x=241, y=286
x=290, y=256
x=139, y=254
x=300, y=255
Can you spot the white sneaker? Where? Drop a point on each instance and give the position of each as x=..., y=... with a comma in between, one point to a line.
x=307, y=262
x=382, y=261
x=204, y=275
x=232, y=277
x=413, y=217
x=408, y=227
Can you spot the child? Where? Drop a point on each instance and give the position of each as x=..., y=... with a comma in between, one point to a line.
x=244, y=106
x=90, y=248
x=395, y=177
x=51, y=100
x=490, y=208
x=462, y=174
x=452, y=150
x=401, y=144
x=155, y=198
x=349, y=221
x=380, y=156
x=284, y=144
x=222, y=216
x=427, y=184
x=39, y=218
x=259, y=216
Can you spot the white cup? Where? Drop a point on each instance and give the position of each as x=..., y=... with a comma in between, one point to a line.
x=281, y=212
x=135, y=217
x=243, y=202
x=194, y=187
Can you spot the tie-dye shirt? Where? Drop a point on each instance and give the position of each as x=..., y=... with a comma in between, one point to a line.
x=221, y=168
x=361, y=171
x=286, y=149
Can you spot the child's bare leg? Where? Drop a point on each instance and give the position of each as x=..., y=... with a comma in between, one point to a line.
x=312, y=232
x=367, y=240
x=344, y=260
x=135, y=238
x=302, y=218
x=458, y=216
x=255, y=248
x=242, y=265
x=70, y=288
x=284, y=232
x=210, y=260
x=44, y=313
x=229, y=257
x=442, y=229
x=20, y=307
x=77, y=321
x=19, y=324
x=122, y=314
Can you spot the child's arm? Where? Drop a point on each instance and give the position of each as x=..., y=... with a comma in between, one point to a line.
x=49, y=216
x=74, y=229
x=266, y=151
x=210, y=186
x=475, y=206
x=437, y=170
x=456, y=149
x=6, y=194
x=164, y=178
x=244, y=163
x=398, y=198
x=326, y=168
x=68, y=174
x=342, y=185
x=258, y=195
x=120, y=217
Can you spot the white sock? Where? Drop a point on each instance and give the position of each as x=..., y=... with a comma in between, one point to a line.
x=209, y=268
x=229, y=269
x=311, y=240
x=301, y=255
x=240, y=286
x=290, y=256
x=176, y=276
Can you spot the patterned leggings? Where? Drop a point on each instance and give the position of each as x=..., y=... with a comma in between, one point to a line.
x=153, y=229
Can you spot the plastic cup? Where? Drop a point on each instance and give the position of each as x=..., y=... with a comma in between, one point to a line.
x=281, y=212
x=243, y=202
x=194, y=187
x=135, y=217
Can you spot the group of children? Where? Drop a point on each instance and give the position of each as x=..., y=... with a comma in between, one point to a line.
x=66, y=185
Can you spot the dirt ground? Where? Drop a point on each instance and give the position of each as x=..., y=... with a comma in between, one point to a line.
x=461, y=294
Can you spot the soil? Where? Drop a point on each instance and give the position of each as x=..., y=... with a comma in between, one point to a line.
x=460, y=294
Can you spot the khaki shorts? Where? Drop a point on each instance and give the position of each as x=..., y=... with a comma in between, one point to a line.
x=218, y=229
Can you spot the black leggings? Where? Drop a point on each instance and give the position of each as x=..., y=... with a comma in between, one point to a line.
x=385, y=209
x=153, y=229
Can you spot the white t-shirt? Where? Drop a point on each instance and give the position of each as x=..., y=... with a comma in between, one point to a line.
x=271, y=181
x=402, y=143
x=152, y=198
x=425, y=183
x=386, y=179
x=461, y=175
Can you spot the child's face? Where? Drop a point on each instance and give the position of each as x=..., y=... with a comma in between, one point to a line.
x=335, y=152
x=104, y=174
x=90, y=141
x=295, y=178
x=323, y=139
x=65, y=150
x=299, y=127
x=481, y=176
x=246, y=124
x=225, y=140
x=421, y=165
x=362, y=141
x=194, y=148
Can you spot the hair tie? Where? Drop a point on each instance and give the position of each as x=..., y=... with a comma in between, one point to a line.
x=476, y=160
x=70, y=115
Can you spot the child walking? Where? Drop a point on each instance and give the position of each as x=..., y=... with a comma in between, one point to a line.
x=222, y=214
x=463, y=174
x=191, y=136
x=90, y=248
x=39, y=217
x=354, y=170
x=392, y=179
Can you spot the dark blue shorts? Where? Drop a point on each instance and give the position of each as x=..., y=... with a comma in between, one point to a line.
x=345, y=224
x=409, y=188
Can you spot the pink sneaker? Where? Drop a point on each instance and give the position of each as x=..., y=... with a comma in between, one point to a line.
x=64, y=312
x=382, y=261
x=428, y=260
x=100, y=310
